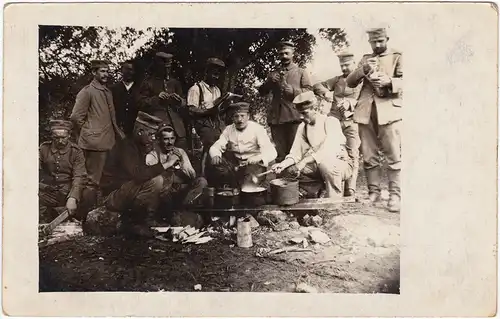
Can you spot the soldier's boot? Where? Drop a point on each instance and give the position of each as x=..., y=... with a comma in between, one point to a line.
x=394, y=204
x=373, y=176
x=350, y=184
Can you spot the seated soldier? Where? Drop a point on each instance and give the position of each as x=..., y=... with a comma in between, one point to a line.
x=318, y=151
x=130, y=186
x=242, y=151
x=180, y=184
x=62, y=175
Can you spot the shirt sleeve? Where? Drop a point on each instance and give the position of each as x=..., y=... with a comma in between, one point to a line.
x=299, y=146
x=355, y=77
x=81, y=108
x=219, y=147
x=267, y=150
x=193, y=96
x=397, y=77
x=79, y=174
x=136, y=168
x=187, y=168
x=152, y=158
x=333, y=140
x=324, y=87
x=305, y=83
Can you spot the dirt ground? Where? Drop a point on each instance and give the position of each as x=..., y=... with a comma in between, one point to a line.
x=362, y=257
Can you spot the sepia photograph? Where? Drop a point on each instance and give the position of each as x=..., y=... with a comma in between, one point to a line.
x=219, y=159
x=239, y=159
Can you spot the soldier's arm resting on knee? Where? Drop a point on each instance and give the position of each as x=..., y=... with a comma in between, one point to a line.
x=79, y=174
x=267, y=150
x=186, y=166
x=220, y=146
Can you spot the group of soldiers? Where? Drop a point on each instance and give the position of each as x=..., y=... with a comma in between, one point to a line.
x=132, y=137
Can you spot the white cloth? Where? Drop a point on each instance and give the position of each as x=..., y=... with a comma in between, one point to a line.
x=323, y=142
x=210, y=94
x=252, y=141
x=128, y=86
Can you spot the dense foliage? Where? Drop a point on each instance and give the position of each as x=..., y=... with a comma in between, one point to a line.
x=65, y=53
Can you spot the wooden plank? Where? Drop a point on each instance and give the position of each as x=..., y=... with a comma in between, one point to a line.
x=304, y=204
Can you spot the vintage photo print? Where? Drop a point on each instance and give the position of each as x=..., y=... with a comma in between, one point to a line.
x=245, y=153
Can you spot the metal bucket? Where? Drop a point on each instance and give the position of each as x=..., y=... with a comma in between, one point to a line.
x=284, y=191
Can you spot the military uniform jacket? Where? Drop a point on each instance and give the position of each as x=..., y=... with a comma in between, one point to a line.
x=127, y=162
x=388, y=107
x=64, y=169
x=126, y=105
x=94, y=115
x=338, y=85
x=168, y=110
x=282, y=110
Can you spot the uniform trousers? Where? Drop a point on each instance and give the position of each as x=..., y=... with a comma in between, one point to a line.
x=353, y=142
x=385, y=138
x=333, y=173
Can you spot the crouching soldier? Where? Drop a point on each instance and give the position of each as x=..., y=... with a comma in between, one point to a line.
x=343, y=100
x=129, y=185
x=180, y=184
x=62, y=175
x=318, y=151
x=242, y=151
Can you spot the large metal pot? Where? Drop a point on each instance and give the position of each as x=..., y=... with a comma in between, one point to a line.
x=284, y=191
x=226, y=198
x=253, y=196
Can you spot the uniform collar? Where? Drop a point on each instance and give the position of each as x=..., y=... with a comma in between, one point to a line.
x=386, y=52
x=60, y=151
x=292, y=65
x=131, y=83
x=98, y=85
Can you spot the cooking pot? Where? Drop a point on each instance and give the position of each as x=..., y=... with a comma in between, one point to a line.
x=284, y=191
x=253, y=196
x=226, y=197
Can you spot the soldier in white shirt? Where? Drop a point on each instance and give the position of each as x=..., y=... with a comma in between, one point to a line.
x=243, y=150
x=201, y=98
x=318, y=151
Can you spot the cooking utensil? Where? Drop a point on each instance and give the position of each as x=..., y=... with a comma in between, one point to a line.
x=253, y=196
x=226, y=197
x=255, y=178
x=284, y=191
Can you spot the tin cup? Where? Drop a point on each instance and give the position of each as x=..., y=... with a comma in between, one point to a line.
x=209, y=196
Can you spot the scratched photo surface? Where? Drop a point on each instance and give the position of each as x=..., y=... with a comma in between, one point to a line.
x=255, y=153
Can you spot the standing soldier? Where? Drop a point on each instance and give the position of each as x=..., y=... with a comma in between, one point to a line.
x=285, y=84
x=161, y=96
x=126, y=98
x=95, y=120
x=201, y=99
x=62, y=174
x=344, y=99
x=378, y=113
